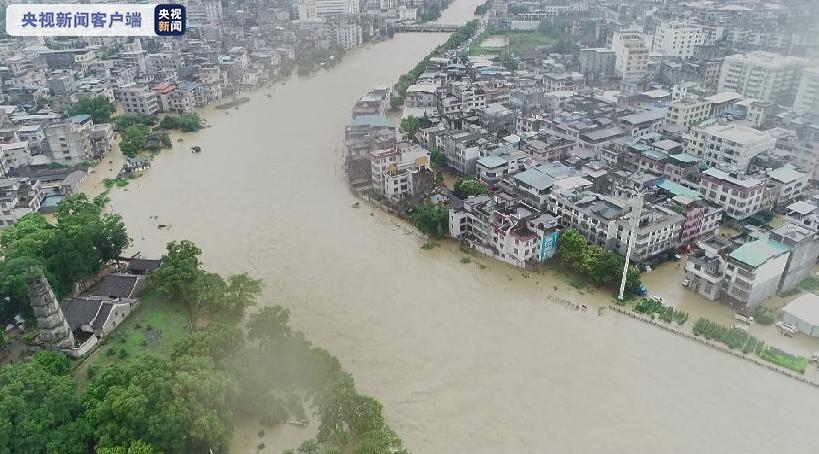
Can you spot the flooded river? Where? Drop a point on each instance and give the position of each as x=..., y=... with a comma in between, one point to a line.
x=466, y=357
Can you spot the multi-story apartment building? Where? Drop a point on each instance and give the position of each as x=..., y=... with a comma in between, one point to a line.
x=729, y=147
x=138, y=99
x=14, y=154
x=503, y=227
x=631, y=54
x=807, y=95
x=391, y=169
x=744, y=276
x=740, y=195
x=688, y=111
x=606, y=221
x=69, y=141
x=764, y=76
x=789, y=184
x=597, y=63
x=18, y=197
x=677, y=39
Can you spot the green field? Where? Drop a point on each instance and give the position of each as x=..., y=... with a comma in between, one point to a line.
x=153, y=327
x=515, y=41
x=784, y=359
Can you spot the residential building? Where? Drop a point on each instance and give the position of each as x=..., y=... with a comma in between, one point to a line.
x=491, y=169
x=393, y=169
x=744, y=275
x=503, y=227
x=804, y=247
x=688, y=111
x=19, y=196
x=740, y=195
x=764, y=76
x=597, y=63
x=69, y=141
x=677, y=39
x=631, y=54
x=139, y=99
x=729, y=147
x=789, y=183
x=807, y=95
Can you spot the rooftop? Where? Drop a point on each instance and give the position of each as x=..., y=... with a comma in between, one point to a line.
x=755, y=253
x=786, y=174
x=805, y=308
x=373, y=120
x=744, y=182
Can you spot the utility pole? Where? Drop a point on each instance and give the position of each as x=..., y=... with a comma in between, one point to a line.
x=636, y=210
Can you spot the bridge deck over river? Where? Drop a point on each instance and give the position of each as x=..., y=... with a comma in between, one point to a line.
x=427, y=28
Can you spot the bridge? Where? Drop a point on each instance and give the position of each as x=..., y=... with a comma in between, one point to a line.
x=427, y=28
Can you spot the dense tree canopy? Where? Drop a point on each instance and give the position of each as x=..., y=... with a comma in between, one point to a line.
x=174, y=406
x=83, y=239
x=182, y=279
x=601, y=266
x=100, y=108
x=409, y=128
x=40, y=410
x=431, y=219
x=186, y=122
x=468, y=187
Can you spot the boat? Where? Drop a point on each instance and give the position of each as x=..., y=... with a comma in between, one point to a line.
x=196, y=149
x=357, y=204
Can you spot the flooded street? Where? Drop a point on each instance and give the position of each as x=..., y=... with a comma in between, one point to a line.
x=464, y=357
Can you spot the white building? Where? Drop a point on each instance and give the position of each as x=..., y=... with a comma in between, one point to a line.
x=803, y=313
x=138, y=99
x=392, y=169
x=18, y=197
x=807, y=96
x=762, y=75
x=308, y=9
x=729, y=147
x=688, y=111
x=741, y=196
x=631, y=54
x=677, y=39
x=14, y=154
x=69, y=141
x=789, y=182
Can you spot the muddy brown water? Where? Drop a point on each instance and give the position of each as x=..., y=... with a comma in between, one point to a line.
x=464, y=357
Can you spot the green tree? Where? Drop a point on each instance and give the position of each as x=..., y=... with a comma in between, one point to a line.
x=409, y=127
x=99, y=108
x=379, y=441
x=134, y=139
x=269, y=325
x=175, y=406
x=179, y=275
x=438, y=158
x=40, y=410
x=573, y=249
x=468, y=187
x=431, y=219
x=136, y=447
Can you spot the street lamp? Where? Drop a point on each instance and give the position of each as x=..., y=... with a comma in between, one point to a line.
x=636, y=210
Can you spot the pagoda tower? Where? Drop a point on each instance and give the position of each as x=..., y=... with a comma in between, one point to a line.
x=54, y=330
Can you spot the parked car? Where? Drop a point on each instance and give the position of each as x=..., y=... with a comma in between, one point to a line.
x=744, y=318
x=786, y=329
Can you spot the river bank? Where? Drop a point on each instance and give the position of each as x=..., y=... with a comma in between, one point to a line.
x=479, y=348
